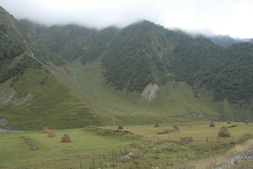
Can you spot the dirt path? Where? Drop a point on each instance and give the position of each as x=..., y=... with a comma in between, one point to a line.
x=239, y=157
x=8, y=131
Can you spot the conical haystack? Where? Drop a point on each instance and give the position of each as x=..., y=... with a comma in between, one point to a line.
x=156, y=125
x=211, y=124
x=224, y=132
x=51, y=133
x=45, y=130
x=65, y=138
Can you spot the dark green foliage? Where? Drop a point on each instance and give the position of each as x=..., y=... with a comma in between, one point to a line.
x=9, y=47
x=18, y=69
x=145, y=53
x=99, y=44
x=11, y=40
x=72, y=41
x=226, y=71
x=137, y=56
x=233, y=125
x=163, y=132
x=69, y=42
x=131, y=58
x=225, y=41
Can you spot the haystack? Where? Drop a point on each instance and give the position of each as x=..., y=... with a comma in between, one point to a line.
x=175, y=127
x=51, y=133
x=156, y=125
x=211, y=124
x=172, y=130
x=45, y=130
x=65, y=138
x=120, y=127
x=223, y=132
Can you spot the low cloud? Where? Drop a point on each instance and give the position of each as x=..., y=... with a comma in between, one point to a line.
x=232, y=17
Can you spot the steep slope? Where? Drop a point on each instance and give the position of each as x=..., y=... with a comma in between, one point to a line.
x=140, y=52
x=30, y=95
x=143, y=54
x=71, y=76
x=12, y=42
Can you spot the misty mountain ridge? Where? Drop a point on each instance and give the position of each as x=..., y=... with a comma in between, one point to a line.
x=222, y=40
x=139, y=74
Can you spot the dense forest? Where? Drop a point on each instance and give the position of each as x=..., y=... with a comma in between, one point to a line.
x=139, y=54
x=226, y=71
x=144, y=53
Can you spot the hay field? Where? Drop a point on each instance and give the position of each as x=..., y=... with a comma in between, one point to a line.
x=147, y=149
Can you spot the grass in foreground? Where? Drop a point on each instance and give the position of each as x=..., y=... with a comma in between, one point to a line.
x=107, y=148
x=53, y=154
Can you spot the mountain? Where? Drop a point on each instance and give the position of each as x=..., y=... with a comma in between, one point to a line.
x=227, y=41
x=31, y=96
x=72, y=76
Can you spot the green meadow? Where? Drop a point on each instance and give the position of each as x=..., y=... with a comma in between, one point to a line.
x=105, y=148
x=52, y=153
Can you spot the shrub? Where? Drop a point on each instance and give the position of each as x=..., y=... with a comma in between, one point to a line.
x=176, y=127
x=65, y=138
x=223, y=132
x=163, y=132
x=51, y=133
x=167, y=131
x=120, y=127
x=233, y=125
x=45, y=130
x=156, y=125
x=211, y=124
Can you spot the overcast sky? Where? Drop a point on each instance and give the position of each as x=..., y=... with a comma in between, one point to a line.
x=220, y=17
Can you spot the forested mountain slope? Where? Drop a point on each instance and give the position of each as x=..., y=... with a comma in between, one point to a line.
x=105, y=73
x=30, y=95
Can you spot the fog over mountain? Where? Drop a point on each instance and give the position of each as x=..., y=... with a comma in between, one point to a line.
x=227, y=17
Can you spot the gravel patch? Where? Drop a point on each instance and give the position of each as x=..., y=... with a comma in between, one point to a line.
x=233, y=161
x=9, y=131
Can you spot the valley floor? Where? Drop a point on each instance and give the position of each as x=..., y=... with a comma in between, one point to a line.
x=194, y=145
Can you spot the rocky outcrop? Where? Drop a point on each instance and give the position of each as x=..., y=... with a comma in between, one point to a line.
x=6, y=95
x=202, y=116
x=3, y=122
x=9, y=96
x=150, y=92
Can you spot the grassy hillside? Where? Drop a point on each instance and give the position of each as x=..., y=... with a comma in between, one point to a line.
x=40, y=98
x=129, y=59
x=175, y=102
x=31, y=96
x=72, y=76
